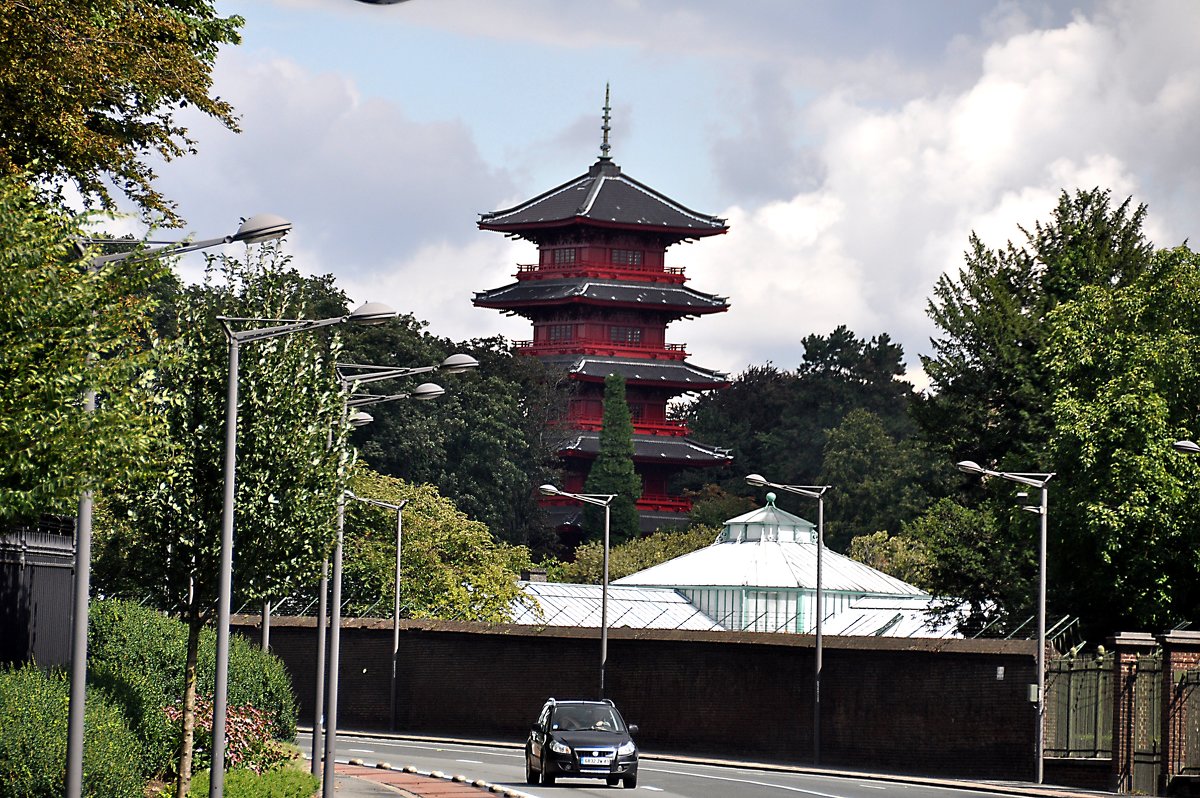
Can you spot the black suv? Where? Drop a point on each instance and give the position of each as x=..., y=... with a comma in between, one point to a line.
x=581, y=739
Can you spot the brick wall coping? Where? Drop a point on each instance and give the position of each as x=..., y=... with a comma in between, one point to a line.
x=779, y=639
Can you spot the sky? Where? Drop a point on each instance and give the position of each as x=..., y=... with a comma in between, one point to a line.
x=853, y=147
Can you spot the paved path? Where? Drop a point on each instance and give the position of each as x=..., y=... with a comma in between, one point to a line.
x=358, y=781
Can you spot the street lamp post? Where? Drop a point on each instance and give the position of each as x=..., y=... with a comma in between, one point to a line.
x=599, y=500
x=351, y=375
x=399, y=508
x=1033, y=480
x=262, y=227
x=812, y=492
x=369, y=313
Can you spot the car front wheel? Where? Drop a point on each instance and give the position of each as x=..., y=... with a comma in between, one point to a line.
x=630, y=781
x=547, y=776
x=531, y=775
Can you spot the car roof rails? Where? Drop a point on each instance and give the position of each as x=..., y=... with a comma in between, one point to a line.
x=609, y=701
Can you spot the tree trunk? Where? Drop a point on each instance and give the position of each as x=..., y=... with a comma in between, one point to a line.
x=188, y=736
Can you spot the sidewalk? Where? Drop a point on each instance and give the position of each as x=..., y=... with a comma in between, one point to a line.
x=360, y=781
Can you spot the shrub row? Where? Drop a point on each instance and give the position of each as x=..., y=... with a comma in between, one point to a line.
x=33, y=740
x=136, y=661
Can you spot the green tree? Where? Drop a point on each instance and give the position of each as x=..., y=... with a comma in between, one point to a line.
x=65, y=329
x=631, y=556
x=990, y=394
x=1014, y=382
x=900, y=556
x=166, y=542
x=90, y=90
x=976, y=565
x=1124, y=369
x=777, y=423
x=612, y=471
x=451, y=567
x=877, y=482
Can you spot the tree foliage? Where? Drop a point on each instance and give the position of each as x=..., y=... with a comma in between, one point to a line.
x=485, y=443
x=631, y=556
x=612, y=471
x=901, y=556
x=91, y=90
x=877, y=481
x=990, y=393
x=451, y=567
x=165, y=541
x=1125, y=373
x=66, y=328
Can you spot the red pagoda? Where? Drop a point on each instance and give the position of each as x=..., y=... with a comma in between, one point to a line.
x=600, y=298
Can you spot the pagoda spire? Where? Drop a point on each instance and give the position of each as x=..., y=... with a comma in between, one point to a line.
x=604, y=145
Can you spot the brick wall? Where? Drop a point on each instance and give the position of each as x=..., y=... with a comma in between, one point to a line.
x=900, y=705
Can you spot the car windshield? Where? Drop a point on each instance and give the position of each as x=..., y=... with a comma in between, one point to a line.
x=597, y=717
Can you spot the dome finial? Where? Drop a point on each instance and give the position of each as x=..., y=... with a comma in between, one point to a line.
x=771, y=499
x=604, y=146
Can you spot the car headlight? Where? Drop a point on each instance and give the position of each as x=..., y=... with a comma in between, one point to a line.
x=559, y=748
x=626, y=748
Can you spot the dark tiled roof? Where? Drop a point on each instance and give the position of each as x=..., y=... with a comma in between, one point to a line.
x=654, y=448
x=675, y=298
x=604, y=196
x=648, y=521
x=640, y=370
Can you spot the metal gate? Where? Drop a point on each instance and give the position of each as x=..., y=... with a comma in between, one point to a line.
x=1145, y=718
x=1079, y=710
x=1185, y=725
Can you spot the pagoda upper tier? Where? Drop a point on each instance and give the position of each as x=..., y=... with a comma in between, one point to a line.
x=606, y=198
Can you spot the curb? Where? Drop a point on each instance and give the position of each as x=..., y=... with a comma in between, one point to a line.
x=1007, y=788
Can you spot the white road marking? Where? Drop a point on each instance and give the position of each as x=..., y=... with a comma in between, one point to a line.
x=362, y=750
x=655, y=789
x=469, y=761
x=746, y=781
x=872, y=786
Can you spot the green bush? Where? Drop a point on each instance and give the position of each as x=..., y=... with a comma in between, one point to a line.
x=33, y=740
x=255, y=679
x=285, y=783
x=136, y=657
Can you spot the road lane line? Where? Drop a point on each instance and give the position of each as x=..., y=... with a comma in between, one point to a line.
x=745, y=781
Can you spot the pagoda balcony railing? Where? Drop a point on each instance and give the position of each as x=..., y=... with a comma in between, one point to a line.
x=663, y=504
x=645, y=503
x=601, y=346
x=670, y=428
x=600, y=270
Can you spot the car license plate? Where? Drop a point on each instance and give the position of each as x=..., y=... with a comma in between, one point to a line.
x=593, y=761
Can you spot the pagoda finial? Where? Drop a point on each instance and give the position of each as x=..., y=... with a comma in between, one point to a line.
x=604, y=145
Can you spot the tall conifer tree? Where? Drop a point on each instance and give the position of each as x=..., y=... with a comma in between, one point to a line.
x=612, y=471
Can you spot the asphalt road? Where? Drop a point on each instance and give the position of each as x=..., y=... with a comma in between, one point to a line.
x=668, y=779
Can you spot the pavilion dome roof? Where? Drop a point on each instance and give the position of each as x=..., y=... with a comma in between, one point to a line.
x=769, y=548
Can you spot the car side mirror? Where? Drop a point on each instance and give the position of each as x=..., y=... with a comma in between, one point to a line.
x=633, y=729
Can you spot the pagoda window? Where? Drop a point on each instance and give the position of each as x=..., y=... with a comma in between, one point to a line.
x=560, y=332
x=564, y=255
x=627, y=257
x=625, y=335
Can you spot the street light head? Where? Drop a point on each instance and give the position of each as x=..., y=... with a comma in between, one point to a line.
x=548, y=490
x=1188, y=447
x=970, y=467
x=371, y=313
x=360, y=418
x=427, y=390
x=756, y=480
x=458, y=363
x=262, y=227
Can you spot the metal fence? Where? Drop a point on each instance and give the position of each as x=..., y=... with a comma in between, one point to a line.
x=1185, y=721
x=1079, y=709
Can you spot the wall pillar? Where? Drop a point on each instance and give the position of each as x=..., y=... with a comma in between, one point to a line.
x=1181, y=653
x=1126, y=648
